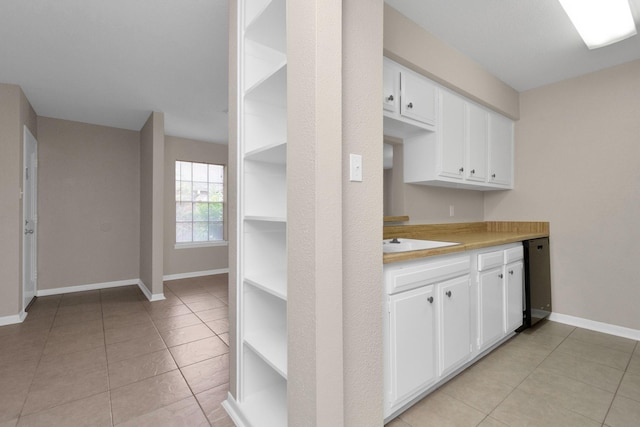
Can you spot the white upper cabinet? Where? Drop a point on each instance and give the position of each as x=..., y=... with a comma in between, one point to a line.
x=449, y=140
x=390, y=87
x=450, y=135
x=500, y=150
x=417, y=97
x=477, y=135
x=408, y=101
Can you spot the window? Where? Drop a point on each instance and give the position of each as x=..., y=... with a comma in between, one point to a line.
x=199, y=202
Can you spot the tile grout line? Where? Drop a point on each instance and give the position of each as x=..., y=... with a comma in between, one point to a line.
x=106, y=358
x=525, y=378
x=635, y=347
x=176, y=362
x=39, y=360
x=180, y=368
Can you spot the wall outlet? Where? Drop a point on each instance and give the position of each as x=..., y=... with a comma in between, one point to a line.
x=452, y=210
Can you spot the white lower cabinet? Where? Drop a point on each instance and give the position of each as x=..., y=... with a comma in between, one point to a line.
x=514, y=275
x=454, y=323
x=490, y=307
x=412, y=321
x=443, y=313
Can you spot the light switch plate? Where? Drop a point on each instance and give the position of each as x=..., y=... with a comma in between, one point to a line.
x=355, y=167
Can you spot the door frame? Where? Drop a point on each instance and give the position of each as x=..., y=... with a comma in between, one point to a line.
x=29, y=193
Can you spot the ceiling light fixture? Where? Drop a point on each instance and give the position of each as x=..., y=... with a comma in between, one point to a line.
x=600, y=22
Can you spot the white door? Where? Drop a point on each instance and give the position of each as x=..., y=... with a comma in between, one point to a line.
x=29, y=218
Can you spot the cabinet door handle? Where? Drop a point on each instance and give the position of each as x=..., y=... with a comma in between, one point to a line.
x=493, y=175
x=430, y=299
x=473, y=171
x=511, y=272
x=461, y=170
x=390, y=98
x=448, y=293
x=500, y=275
x=410, y=105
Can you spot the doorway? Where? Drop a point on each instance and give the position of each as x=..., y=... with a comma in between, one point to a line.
x=29, y=219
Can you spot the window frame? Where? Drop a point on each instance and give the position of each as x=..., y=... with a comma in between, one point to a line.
x=204, y=243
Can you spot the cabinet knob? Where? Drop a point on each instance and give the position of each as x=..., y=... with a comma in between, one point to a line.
x=461, y=170
x=500, y=275
x=511, y=272
x=448, y=293
x=410, y=105
x=473, y=171
x=390, y=98
x=493, y=175
x=430, y=299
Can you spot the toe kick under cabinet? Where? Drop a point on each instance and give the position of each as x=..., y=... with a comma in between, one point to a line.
x=442, y=314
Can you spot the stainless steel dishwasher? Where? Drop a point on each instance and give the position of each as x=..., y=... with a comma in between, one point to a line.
x=537, y=281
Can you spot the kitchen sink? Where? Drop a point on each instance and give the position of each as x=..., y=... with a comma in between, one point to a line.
x=406, y=245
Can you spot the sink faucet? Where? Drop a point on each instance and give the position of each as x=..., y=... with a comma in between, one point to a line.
x=395, y=240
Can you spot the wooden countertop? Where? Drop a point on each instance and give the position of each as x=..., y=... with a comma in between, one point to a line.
x=470, y=235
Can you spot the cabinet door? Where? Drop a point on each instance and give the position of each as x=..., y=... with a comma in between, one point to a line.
x=490, y=307
x=454, y=323
x=500, y=150
x=412, y=341
x=418, y=98
x=514, y=277
x=477, y=135
x=451, y=134
x=390, y=86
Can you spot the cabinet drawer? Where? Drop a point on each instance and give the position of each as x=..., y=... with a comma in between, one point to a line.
x=402, y=278
x=490, y=260
x=513, y=254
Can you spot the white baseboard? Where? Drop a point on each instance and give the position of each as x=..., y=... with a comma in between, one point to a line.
x=13, y=319
x=103, y=285
x=147, y=293
x=231, y=406
x=90, y=287
x=195, y=274
x=593, y=325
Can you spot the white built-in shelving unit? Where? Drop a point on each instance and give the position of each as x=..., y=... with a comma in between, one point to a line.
x=262, y=208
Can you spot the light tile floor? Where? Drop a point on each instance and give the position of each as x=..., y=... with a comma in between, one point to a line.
x=110, y=357
x=550, y=375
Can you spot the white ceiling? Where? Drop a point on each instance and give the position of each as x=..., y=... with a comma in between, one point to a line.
x=525, y=43
x=112, y=62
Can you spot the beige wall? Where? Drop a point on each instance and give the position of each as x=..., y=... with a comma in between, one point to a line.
x=362, y=209
x=415, y=48
x=151, y=203
x=577, y=151
x=314, y=225
x=410, y=45
x=178, y=261
x=427, y=204
x=335, y=272
x=15, y=112
x=88, y=204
